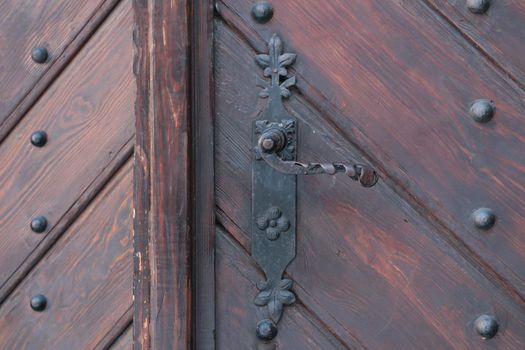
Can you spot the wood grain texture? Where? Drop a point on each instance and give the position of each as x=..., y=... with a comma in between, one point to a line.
x=163, y=186
x=498, y=33
x=125, y=341
x=87, y=115
x=398, y=81
x=86, y=277
x=237, y=315
x=202, y=150
x=61, y=26
x=368, y=265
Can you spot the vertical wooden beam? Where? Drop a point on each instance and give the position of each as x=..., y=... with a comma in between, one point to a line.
x=163, y=176
x=202, y=110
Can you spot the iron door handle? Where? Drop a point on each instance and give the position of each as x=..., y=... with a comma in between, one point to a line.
x=274, y=186
x=272, y=141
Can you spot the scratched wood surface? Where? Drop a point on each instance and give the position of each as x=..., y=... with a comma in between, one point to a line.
x=125, y=341
x=60, y=26
x=86, y=278
x=379, y=267
x=87, y=115
x=398, y=81
x=81, y=180
x=163, y=187
x=498, y=32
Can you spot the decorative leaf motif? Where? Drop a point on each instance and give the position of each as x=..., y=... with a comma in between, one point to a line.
x=287, y=59
x=275, y=298
x=288, y=82
x=263, y=60
x=273, y=223
x=274, y=65
x=263, y=298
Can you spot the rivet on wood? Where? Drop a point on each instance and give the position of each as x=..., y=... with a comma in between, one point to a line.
x=38, y=302
x=39, y=54
x=484, y=218
x=486, y=326
x=39, y=138
x=482, y=110
x=266, y=330
x=39, y=224
x=478, y=6
x=262, y=11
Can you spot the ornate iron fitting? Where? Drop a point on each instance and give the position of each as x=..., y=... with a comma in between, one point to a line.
x=274, y=182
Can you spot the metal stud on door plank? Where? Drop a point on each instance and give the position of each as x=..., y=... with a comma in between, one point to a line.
x=39, y=54
x=274, y=183
x=478, y=6
x=262, y=11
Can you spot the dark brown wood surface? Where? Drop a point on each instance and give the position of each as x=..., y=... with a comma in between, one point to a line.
x=87, y=115
x=80, y=180
x=86, y=278
x=498, y=32
x=163, y=172
x=62, y=27
x=204, y=181
x=398, y=81
x=125, y=341
x=382, y=268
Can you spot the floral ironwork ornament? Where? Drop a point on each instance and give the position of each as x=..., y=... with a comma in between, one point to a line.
x=273, y=223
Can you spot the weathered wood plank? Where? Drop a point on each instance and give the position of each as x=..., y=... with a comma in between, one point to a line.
x=62, y=27
x=125, y=341
x=163, y=173
x=86, y=277
x=399, y=82
x=87, y=115
x=204, y=203
x=368, y=265
x=498, y=33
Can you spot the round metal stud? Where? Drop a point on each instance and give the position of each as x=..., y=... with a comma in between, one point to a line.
x=38, y=302
x=39, y=138
x=478, y=6
x=482, y=110
x=39, y=224
x=266, y=329
x=484, y=218
x=262, y=11
x=39, y=54
x=486, y=326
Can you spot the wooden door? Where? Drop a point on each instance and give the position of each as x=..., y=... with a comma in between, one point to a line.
x=66, y=144
x=428, y=93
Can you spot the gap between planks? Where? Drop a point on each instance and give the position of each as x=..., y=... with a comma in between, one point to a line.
x=67, y=219
x=27, y=101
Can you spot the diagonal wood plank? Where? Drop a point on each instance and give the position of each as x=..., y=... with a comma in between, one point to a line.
x=87, y=115
x=368, y=265
x=62, y=27
x=86, y=277
x=399, y=85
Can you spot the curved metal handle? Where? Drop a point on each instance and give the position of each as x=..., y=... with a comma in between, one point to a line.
x=272, y=141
